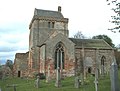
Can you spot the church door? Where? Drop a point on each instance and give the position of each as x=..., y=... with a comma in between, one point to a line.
x=19, y=73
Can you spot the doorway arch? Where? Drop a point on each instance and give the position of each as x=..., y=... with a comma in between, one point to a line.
x=89, y=69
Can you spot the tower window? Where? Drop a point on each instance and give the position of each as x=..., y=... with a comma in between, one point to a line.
x=48, y=24
x=53, y=23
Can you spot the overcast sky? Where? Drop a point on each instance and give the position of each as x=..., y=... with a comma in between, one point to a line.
x=88, y=16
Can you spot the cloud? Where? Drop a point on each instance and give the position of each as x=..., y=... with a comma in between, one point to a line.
x=89, y=17
x=13, y=39
x=6, y=55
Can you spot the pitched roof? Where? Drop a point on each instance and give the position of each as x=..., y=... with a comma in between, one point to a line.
x=91, y=43
x=48, y=13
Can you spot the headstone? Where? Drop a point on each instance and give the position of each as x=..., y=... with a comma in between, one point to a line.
x=0, y=89
x=13, y=85
x=114, y=77
x=82, y=78
x=58, y=80
x=37, y=82
x=85, y=74
x=48, y=76
x=96, y=84
x=97, y=73
x=77, y=82
x=96, y=80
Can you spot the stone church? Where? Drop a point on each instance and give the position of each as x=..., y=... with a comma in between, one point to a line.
x=50, y=48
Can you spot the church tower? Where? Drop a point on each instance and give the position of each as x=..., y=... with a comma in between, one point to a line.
x=45, y=26
x=45, y=23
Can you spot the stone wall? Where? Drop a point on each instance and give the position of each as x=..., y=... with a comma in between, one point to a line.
x=21, y=64
x=47, y=56
x=68, y=70
x=88, y=59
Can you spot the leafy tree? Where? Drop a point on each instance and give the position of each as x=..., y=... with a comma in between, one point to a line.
x=9, y=64
x=106, y=38
x=79, y=35
x=116, y=15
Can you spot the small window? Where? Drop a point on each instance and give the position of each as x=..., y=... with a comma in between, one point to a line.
x=48, y=24
x=103, y=60
x=53, y=23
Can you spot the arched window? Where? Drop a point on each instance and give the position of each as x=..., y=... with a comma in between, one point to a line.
x=102, y=64
x=59, y=56
x=48, y=24
x=53, y=24
x=103, y=60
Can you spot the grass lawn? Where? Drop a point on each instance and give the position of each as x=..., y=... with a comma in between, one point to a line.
x=67, y=84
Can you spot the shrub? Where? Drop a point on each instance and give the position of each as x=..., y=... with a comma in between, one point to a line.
x=41, y=75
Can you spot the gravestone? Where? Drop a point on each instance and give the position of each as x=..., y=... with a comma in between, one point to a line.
x=37, y=82
x=114, y=77
x=82, y=78
x=48, y=76
x=96, y=79
x=0, y=89
x=58, y=79
x=13, y=85
x=77, y=82
x=96, y=84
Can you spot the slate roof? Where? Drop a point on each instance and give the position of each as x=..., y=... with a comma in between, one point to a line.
x=48, y=13
x=91, y=43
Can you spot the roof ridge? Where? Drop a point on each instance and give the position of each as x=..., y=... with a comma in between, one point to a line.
x=48, y=13
x=47, y=10
x=85, y=39
x=91, y=43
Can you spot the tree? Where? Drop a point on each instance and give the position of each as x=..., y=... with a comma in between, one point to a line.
x=9, y=64
x=106, y=38
x=79, y=35
x=116, y=16
x=118, y=46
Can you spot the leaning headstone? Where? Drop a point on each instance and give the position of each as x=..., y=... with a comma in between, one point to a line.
x=77, y=82
x=58, y=80
x=114, y=77
x=37, y=82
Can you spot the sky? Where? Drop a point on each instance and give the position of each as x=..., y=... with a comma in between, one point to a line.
x=91, y=17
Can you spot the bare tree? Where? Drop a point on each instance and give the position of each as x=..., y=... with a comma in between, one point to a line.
x=79, y=35
x=118, y=46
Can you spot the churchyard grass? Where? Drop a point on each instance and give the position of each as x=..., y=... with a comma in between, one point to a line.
x=23, y=84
